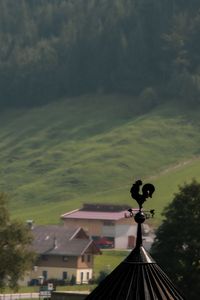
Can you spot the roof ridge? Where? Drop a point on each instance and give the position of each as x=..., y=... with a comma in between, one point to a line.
x=75, y=233
x=68, y=213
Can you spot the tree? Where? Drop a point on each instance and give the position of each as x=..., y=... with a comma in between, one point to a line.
x=16, y=256
x=177, y=243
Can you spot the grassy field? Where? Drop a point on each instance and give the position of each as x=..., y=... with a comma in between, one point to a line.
x=108, y=260
x=90, y=149
x=166, y=184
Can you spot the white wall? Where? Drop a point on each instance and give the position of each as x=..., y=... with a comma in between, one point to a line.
x=108, y=231
x=56, y=273
x=85, y=277
x=122, y=232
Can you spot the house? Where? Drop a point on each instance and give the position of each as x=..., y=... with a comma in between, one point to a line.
x=62, y=254
x=106, y=224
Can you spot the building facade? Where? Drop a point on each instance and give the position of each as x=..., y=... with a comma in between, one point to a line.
x=62, y=254
x=107, y=225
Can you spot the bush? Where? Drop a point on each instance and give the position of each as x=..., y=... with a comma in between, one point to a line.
x=102, y=275
x=148, y=98
x=73, y=280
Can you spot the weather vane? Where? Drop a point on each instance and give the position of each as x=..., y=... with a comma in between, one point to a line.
x=147, y=191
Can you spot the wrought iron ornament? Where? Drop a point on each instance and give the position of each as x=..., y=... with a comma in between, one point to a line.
x=147, y=191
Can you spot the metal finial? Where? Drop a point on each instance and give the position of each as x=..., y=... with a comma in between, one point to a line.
x=147, y=191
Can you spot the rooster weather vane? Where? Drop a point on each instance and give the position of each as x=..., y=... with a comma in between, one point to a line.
x=147, y=192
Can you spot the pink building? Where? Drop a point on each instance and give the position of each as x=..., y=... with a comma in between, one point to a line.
x=106, y=224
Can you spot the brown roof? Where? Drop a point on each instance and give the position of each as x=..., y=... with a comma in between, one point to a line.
x=59, y=240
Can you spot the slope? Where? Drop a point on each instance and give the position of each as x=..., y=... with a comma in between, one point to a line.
x=55, y=157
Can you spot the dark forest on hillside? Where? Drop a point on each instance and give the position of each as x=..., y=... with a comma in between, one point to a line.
x=51, y=49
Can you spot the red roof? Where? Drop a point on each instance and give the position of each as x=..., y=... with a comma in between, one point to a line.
x=94, y=215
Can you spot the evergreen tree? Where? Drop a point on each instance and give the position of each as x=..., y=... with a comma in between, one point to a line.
x=53, y=49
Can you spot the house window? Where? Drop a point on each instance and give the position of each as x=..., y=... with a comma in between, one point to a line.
x=108, y=223
x=65, y=258
x=64, y=276
x=45, y=274
x=88, y=258
x=82, y=274
x=83, y=258
x=44, y=257
x=88, y=275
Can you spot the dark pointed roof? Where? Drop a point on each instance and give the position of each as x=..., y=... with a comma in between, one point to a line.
x=138, y=277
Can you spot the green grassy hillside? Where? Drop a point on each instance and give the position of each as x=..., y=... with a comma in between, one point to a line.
x=55, y=157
